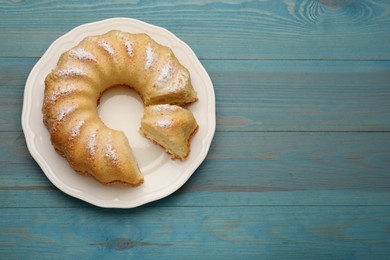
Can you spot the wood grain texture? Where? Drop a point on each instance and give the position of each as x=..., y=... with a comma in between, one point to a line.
x=290, y=29
x=250, y=168
x=302, y=95
x=42, y=197
x=300, y=164
x=265, y=95
x=224, y=232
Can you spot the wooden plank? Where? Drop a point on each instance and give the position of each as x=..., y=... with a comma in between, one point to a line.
x=249, y=168
x=281, y=161
x=13, y=76
x=217, y=29
x=301, y=95
x=265, y=95
x=50, y=197
x=223, y=232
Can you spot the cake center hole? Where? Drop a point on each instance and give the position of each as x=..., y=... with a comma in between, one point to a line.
x=121, y=108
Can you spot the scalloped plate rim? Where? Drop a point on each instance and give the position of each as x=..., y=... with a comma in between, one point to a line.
x=115, y=203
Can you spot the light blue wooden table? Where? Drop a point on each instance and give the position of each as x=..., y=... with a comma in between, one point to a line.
x=300, y=163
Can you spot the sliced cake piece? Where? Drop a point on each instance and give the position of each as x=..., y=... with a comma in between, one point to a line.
x=171, y=127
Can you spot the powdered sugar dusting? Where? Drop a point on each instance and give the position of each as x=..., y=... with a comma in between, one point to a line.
x=62, y=91
x=70, y=72
x=171, y=81
x=65, y=112
x=129, y=47
x=150, y=57
x=165, y=73
x=180, y=82
x=164, y=107
x=92, y=144
x=62, y=115
x=164, y=123
x=107, y=47
x=76, y=129
x=111, y=153
x=82, y=54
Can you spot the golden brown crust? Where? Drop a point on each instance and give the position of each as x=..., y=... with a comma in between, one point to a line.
x=133, y=184
x=171, y=127
x=173, y=156
x=73, y=90
x=189, y=142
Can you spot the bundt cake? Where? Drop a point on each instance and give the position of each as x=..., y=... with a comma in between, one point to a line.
x=171, y=127
x=82, y=74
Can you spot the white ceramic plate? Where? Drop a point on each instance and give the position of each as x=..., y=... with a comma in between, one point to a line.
x=120, y=109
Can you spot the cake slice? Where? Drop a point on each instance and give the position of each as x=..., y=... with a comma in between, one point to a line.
x=171, y=127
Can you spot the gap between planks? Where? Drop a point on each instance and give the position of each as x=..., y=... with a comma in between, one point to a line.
x=240, y=59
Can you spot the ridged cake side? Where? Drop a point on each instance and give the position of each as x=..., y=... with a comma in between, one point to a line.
x=82, y=74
